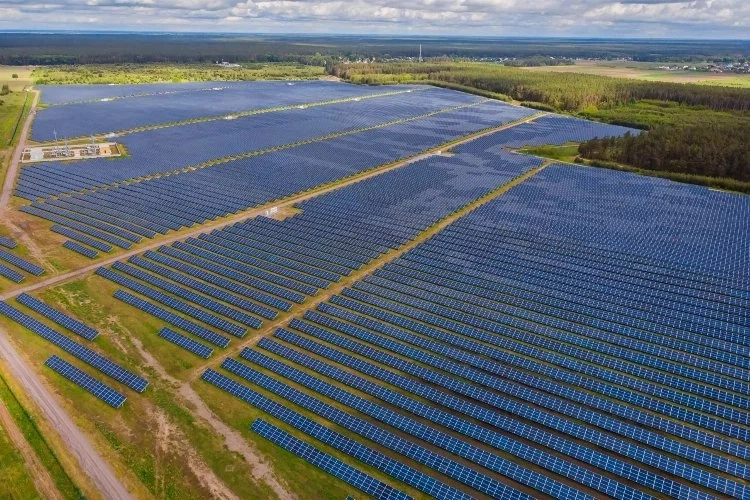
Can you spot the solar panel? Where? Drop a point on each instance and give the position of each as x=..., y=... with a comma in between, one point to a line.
x=78, y=248
x=61, y=319
x=177, y=305
x=21, y=263
x=7, y=242
x=86, y=381
x=186, y=343
x=334, y=439
x=11, y=274
x=85, y=354
x=172, y=318
x=333, y=466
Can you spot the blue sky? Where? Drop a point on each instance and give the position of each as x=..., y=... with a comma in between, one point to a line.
x=574, y=18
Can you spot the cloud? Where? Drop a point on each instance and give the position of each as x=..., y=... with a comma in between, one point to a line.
x=582, y=18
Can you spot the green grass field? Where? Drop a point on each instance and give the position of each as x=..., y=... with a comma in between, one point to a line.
x=649, y=71
x=38, y=442
x=15, y=481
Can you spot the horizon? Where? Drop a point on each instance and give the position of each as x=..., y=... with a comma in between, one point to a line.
x=411, y=36
x=623, y=19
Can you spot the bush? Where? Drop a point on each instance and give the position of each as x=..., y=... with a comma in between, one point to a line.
x=14, y=75
x=5, y=90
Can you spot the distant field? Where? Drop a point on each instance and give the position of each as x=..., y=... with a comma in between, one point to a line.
x=12, y=104
x=647, y=71
x=162, y=73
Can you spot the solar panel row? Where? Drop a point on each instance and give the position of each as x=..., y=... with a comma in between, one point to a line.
x=85, y=354
x=333, y=466
x=78, y=248
x=186, y=343
x=177, y=305
x=172, y=319
x=334, y=439
x=61, y=319
x=86, y=381
x=21, y=263
x=439, y=463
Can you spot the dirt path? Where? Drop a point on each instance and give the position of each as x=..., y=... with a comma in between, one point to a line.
x=15, y=161
x=43, y=482
x=234, y=441
x=89, y=459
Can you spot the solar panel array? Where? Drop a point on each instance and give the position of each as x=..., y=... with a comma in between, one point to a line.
x=333, y=466
x=336, y=440
x=432, y=115
x=61, y=319
x=86, y=381
x=186, y=343
x=377, y=131
x=81, y=352
x=258, y=268
x=530, y=329
x=103, y=109
x=550, y=129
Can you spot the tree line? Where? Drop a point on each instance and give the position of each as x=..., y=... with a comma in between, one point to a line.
x=568, y=92
x=714, y=149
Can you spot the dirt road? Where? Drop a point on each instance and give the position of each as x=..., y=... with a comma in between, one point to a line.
x=15, y=161
x=90, y=460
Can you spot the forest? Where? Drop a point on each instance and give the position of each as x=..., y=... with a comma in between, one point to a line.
x=568, y=92
x=714, y=149
x=691, y=129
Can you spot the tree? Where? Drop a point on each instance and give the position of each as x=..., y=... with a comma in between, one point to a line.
x=14, y=75
x=5, y=90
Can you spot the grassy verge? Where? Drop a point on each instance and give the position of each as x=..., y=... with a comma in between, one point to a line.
x=568, y=152
x=38, y=443
x=15, y=481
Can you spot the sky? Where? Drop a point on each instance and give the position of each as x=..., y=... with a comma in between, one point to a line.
x=570, y=18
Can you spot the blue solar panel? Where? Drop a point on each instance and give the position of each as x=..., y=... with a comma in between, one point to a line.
x=450, y=468
x=427, y=433
x=7, y=242
x=86, y=381
x=351, y=447
x=61, y=319
x=85, y=354
x=11, y=274
x=178, y=305
x=186, y=343
x=78, y=248
x=332, y=465
x=172, y=318
x=21, y=263
x=449, y=421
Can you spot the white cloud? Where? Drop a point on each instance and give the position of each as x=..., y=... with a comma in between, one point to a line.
x=668, y=18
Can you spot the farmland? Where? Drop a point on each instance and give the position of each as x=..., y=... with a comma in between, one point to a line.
x=311, y=289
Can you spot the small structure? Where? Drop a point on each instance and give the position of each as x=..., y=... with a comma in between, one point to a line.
x=57, y=152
